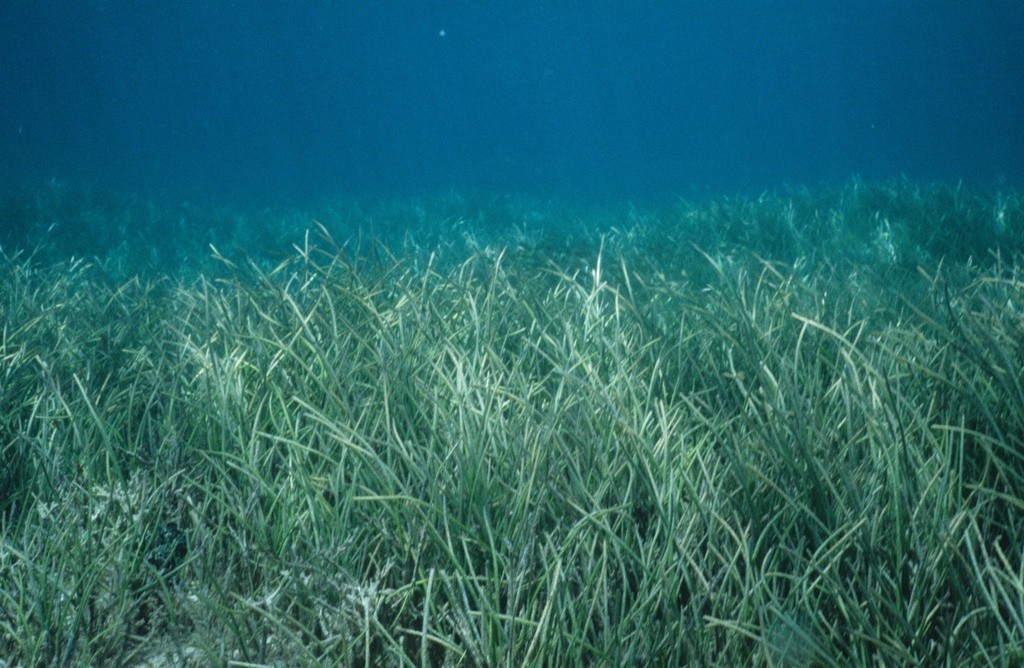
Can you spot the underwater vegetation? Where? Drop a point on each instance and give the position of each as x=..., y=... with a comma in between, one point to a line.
x=783, y=430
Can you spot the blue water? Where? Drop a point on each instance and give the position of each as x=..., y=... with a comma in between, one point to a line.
x=295, y=100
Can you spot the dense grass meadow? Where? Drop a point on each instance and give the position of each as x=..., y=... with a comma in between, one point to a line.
x=784, y=429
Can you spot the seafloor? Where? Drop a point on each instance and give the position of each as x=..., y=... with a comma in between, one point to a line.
x=784, y=429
